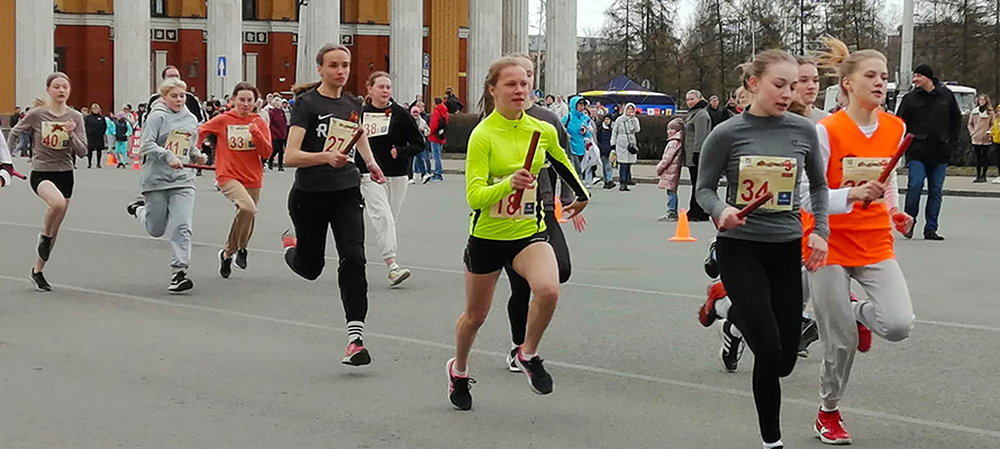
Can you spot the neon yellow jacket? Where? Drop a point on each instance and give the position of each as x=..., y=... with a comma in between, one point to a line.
x=497, y=148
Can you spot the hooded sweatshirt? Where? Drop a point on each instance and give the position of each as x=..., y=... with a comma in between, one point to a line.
x=578, y=127
x=244, y=162
x=167, y=135
x=440, y=113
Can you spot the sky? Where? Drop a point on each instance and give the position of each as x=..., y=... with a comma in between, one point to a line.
x=590, y=13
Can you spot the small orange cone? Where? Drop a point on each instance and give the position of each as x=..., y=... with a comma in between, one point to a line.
x=683, y=233
x=559, y=213
x=135, y=164
x=111, y=159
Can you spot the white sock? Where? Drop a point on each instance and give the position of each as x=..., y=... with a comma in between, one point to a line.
x=825, y=409
x=457, y=373
x=394, y=266
x=722, y=307
x=525, y=355
x=355, y=329
x=774, y=444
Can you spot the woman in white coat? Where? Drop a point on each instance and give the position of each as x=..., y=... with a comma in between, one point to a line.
x=624, y=145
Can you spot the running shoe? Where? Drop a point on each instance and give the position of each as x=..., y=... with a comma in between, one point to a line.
x=810, y=334
x=397, y=275
x=44, y=247
x=711, y=263
x=427, y=178
x=539, y=379
x=511, y=364
x=732, y=347
x=134, y=206
x=864, y=334
x=829, y=428
x=288, y=239
x=356, y=354
x=241, y=258
x=180, y=283
x=225, y=264
x=706, y=314
x=411, y=181
x=459, y=389
x=39, y=282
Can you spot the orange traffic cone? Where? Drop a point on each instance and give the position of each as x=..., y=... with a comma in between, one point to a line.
x=559, y=213
x=683, y=233
x=135, y=164
x=111, y=159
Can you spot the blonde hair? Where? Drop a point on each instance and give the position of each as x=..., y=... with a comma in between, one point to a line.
x=54, y=76
x=169, y=84
x=305, y=87
x=487, y=103
x=841, y=61
x=761, y=62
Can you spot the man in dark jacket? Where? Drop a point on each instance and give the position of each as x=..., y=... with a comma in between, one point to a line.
x=697, y=125
x=96, y=126
x=451, y=102
x=15, y=117
x=192, y=103
x=932, y=116
x=717, y=113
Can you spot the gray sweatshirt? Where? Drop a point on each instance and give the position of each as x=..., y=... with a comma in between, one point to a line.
x=748, y=135
x=53, y=147
x=160, y=125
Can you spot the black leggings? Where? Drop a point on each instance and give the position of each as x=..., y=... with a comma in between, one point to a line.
x=90, y=156
x=694, y=209
x=982, y=159
x=764, y=282
x=342, y=211
x=520, y=291
x=277, y=149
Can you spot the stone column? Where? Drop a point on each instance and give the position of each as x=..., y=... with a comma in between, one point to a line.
x=560, y=48
x=485, y=46
x=35, y=49
x=225, y=38
x=406, y=49
x=133, y=81
x=515, y=26
x=319, y=24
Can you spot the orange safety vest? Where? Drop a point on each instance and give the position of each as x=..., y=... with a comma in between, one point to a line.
x=864, y=236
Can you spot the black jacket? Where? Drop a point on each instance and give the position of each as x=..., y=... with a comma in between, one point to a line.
x=96, y=125
x=718, y=116
x=934, y=120
x=403, y=135
x=604, y=140
x=192, y=102
x=453, y=105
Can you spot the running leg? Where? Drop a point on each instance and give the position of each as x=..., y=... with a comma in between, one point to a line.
x=888, y=311
x=54, y=215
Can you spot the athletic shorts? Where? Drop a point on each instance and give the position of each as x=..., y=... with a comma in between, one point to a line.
x=483, y=256
x=62, y=179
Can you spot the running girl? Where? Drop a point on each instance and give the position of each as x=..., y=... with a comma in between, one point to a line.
x=58, y=138
x=765, y=150
x=243, y=143
x=855, y=143
x=327, y=193
x=168, y=189
x=394, y=139
x=508, y=227
x=6, y=163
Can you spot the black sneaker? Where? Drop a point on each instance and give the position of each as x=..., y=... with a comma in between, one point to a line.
x=711, y=262
x=610, y=185
x=180, y=283
x=810, y=334
x=539, y=379
x=933, y=235
x=241, y=258
x=39, y=281
x=225, y=264
x=511, y=365
x=732, y=347
x=134, y=206
x=44, y=247
x=459, y=389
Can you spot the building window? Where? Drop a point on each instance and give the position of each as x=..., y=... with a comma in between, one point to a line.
x=158, y=8
x=249, y=9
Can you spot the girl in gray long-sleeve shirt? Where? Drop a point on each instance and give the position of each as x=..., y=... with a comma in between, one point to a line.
x=59, y=138
x=764, y=150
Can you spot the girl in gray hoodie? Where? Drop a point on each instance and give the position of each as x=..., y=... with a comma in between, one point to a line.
x=167, y=203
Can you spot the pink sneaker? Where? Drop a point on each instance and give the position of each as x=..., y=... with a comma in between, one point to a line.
x=356, y=354
x=864, y=334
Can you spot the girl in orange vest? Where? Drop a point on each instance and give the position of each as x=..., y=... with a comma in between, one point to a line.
x=857, y=142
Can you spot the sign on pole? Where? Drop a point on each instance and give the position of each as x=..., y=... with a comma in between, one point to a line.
x=426, y=73
x=222, y=67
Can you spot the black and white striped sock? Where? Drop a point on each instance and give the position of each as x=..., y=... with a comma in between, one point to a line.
x=355, y=329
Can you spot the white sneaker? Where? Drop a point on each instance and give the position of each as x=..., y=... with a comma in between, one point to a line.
x=412, y=181
x=397, y=275
x=996, y=180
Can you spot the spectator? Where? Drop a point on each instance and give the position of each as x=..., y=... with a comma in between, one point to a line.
x=932, y=116
x=422, y=162
x=980, y=122
x=625, y=145
x=578, y=127
x=192, y=103
x=697, y=125
x=669, y=168
x=439, y=127
x=604, y=143
x=15, y=117
x=451, y=102
x=549, y=101
x=97, y=128
x=995, y=134
x=559, y=108
x=717, y=114
x=732, y=108
x=279, y=133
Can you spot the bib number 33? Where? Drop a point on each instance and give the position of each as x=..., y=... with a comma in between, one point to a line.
x=238, y=137
x=762, y=174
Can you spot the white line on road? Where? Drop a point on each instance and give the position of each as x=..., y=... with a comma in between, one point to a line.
x=584, y=368
x=445, y=270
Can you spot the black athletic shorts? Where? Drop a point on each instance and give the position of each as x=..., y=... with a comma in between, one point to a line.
x=62, y=179
x=483, y=256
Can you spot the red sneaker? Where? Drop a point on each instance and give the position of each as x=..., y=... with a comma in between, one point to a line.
x=864, y=334
x=288, y=239
x=706, y=314
x=829, y=428
x=356, y=354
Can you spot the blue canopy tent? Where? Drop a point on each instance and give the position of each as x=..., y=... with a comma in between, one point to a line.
x=622, y=90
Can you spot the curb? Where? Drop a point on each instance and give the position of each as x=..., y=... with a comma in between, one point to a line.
x=902, y=191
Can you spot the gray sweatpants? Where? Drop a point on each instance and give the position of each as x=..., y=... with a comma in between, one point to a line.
x=170, y=212
x=887, y=312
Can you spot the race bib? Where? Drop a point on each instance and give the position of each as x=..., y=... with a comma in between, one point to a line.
x=179, y=143
x=376, y=124
x=508, y=208
x=762, y=174
x=55, y=135
x=338, y=134
x=238, y=137
x=859, y=171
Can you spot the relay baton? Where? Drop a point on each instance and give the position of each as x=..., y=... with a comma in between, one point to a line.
x=15, y=174
x=516, y=204
x=754, y=205
x=200, y=167
x=892, y=163
x=355, y=137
